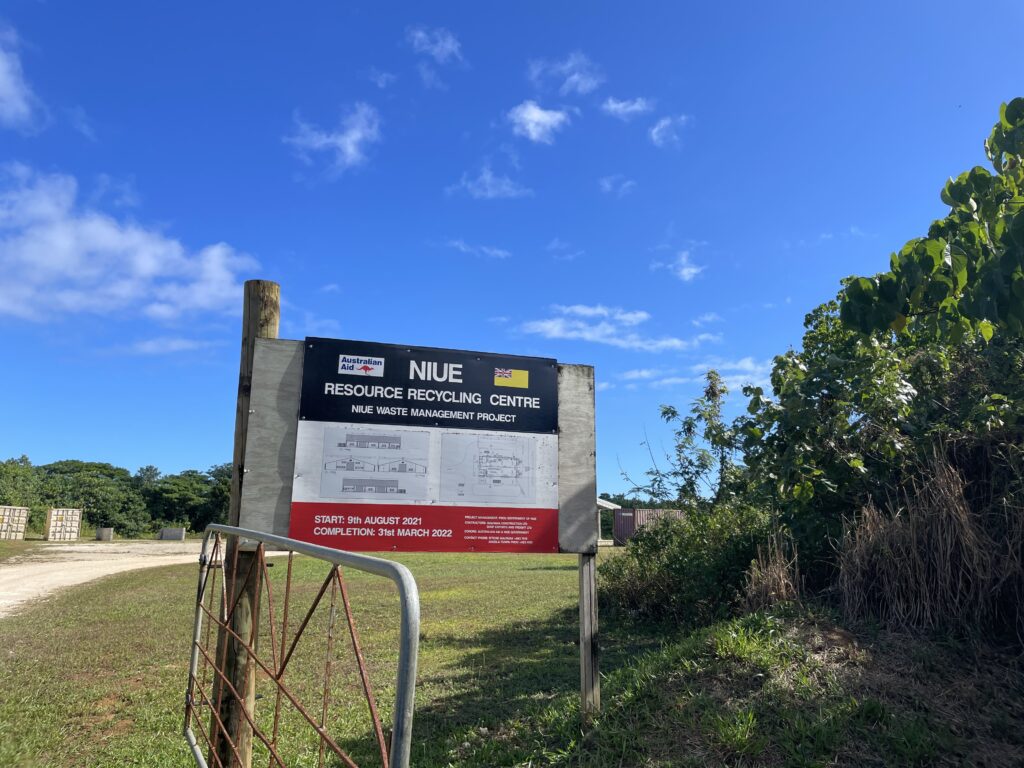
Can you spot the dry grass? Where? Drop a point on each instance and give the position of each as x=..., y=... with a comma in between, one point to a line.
x=774, y=576
x=936, y=563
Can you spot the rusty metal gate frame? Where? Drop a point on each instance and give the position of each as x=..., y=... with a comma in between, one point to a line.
x=401, y=736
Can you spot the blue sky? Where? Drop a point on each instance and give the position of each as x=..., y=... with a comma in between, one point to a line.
x=650, y=189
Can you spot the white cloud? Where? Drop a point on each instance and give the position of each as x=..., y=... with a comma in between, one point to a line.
x=359, y=128
x=640, y=374
x=438, y=43
x=429, y=77
x=19, y=107
x=331, y=288
x=616, y=184
x=608, y=325
x=666, y=130
x=164, y=345
x=682, y=266
x=301, y=322
x=81, y=122
x=529, y=119
x=562, y=250
x=577, y=73
x=488, y=186
x=627, y=109
x=633, y=317
x=603, y=386
x=707, y=319
x=58, y=257
x=381, y=79
x=486, y=251
x=120, y=192
x=737, y=374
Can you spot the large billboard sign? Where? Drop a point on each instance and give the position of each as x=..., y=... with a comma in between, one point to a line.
x=422, y=449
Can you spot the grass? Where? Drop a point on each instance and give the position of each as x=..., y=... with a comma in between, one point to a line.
x=95, y=677
x=14, y=548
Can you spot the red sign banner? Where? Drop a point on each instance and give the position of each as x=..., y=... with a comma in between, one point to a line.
x=422, y=528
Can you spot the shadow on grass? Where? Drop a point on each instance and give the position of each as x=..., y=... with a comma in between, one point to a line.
x=502, y=679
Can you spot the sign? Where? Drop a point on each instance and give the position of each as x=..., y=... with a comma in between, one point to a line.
x=423, y=449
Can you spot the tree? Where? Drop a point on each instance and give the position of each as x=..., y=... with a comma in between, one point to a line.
x=967, y=275
x=702, y=463
x=19, y=485
x=106, y=494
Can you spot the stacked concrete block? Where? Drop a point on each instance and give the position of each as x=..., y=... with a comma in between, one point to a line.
x=12, y=522
x=63, y=524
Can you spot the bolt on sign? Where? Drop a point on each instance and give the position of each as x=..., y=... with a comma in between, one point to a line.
x=422, y=449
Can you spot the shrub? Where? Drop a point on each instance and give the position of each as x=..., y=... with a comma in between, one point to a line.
x=688, y=569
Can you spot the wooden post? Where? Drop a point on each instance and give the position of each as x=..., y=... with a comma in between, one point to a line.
x=261, y=315
x=590, y=676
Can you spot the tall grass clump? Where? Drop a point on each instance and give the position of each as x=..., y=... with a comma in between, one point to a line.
x=945, y=559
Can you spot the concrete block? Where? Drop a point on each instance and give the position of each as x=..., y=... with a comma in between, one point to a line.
x=104, y=534
x=172, y=534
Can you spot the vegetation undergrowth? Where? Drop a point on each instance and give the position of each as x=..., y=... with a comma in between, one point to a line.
x=792, y=688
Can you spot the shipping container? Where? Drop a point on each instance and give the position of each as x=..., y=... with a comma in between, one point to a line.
x=628, y=521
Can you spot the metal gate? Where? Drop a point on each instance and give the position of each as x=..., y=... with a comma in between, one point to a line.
x=209, y=686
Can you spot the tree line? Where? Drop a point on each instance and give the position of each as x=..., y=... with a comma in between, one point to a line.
x=885, y=464
x=132, y=504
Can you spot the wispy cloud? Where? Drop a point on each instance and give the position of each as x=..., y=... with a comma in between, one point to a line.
x=20, y=109
x=487, y=185
x=439, y=43
x=641, y=374
x=121, y=193
x=616, y=184
x=381, y=79
x=576, y=74
x=707, y=319
x=612, y=326
x=330, y=288
x=535, y=123
x=168, y=345
x=603, y=386
x=347, y=145
x=736, y=374
x=681, y=266
x=81, y=122
x=60, y=258
x=562, y=250
x=626, y=109
x=666, y=131
x=430, y=78
x=485, y=251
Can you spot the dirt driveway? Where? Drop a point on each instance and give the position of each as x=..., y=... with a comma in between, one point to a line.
x=47, y=568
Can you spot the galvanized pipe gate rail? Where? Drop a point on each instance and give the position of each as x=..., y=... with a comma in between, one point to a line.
x=200, y=704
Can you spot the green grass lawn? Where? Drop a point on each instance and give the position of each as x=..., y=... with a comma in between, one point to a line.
x=9, y=549
x=95, y=677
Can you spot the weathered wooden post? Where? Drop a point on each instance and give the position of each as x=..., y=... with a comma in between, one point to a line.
x=590, y=675
x=261, y=315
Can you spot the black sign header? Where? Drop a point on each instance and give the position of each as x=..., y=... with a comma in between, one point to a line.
x=364, y=382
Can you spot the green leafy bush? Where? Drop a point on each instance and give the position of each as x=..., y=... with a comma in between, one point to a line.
x=688, y=569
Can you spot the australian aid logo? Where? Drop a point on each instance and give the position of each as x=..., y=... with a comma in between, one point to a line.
x=356, y=365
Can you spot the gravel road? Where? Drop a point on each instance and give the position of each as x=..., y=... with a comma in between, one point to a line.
x=48, y=568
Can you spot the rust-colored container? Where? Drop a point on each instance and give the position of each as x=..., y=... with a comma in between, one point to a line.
x=628, y=521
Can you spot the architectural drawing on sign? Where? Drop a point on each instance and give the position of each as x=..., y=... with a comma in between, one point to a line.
x=370, y=485
x=370, y=464
x=481, y=468
x=387, y=442
x=350, y=464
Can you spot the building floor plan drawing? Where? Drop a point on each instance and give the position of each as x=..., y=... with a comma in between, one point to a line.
x=374, y=464
x=488, y=468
